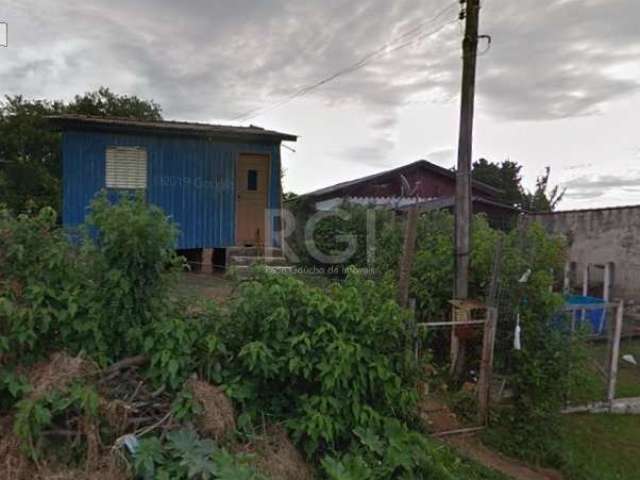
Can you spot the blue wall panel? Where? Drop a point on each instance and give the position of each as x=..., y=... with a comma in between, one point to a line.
x=191, y=179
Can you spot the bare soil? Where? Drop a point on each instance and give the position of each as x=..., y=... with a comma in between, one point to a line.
x=471, y=447
x=438, y=418
x=210, y=286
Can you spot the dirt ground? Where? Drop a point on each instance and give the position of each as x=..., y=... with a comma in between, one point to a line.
x=471, y=447
x=212, y=286
x=439, y=418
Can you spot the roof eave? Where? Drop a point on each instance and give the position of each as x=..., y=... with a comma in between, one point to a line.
x=336, y=188
x=62, y=123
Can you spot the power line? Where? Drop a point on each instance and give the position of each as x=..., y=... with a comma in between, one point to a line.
x=415, y=35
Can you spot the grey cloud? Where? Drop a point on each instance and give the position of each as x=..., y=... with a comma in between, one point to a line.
x=375, y=154
x=553, y=59
x=445, y=157
x=383, y=122
x=578, y=166
x=203, y=59
x=586, y=186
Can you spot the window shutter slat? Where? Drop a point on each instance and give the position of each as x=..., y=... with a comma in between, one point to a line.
x=126, y=168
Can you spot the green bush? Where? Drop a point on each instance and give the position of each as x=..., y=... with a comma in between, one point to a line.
x=395, y=452
x=33, y=415
x=100, y=297
x=334, y=232
x=324, y=362
x=185, y=456
x=542, y=372
x=550, y=362
x=329, y=363
x=433, y=270
x=40, y=286
x=133, y=261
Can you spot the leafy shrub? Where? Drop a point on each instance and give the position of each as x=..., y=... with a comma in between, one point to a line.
x=100, y=297
x=334, y=233
x=35, y=414
x=543, y=372
x=40, y=287
x=433, y=270
x=171, y=344
x=185, y=456
x=394, y=452
x=134, y=258
x=326, y=363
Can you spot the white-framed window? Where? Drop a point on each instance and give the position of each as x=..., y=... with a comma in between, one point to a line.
x=126, y=168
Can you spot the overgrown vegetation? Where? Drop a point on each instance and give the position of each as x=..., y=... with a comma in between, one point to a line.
x=396, y=452
x=505, y=176
x=545, y=370
x=183, y=455
x=334, y=366
x=100, y=298
x=30, y=151
x=325, y=363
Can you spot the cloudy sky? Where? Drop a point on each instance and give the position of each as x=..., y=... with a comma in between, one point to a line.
x=559, y=86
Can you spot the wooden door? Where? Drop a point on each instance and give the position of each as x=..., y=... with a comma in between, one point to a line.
x=252, y=186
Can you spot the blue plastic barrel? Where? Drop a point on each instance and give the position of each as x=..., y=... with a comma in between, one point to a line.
x=596, y=318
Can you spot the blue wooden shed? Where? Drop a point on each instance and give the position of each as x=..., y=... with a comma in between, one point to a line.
x=220, y=184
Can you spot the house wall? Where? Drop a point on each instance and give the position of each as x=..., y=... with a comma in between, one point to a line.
x=192, y=179
x=600, y=236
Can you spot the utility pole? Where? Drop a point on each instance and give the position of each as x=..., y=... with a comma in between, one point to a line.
x=463, y=175
x=463, y=205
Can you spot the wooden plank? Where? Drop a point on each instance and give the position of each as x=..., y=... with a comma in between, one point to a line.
x=408, y=251
x=615, y=353
x=459, y=431
x=486, y=365
x=450, y=324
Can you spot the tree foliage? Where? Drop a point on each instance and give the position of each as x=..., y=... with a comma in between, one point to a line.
x=104, y=102
x=544, y=198
x=30, y=151
x=506, y=177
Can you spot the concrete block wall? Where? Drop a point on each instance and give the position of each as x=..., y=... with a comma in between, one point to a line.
x=599, y=236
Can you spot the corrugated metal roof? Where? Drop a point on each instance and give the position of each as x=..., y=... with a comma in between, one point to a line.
x=417, y=164
x=449, y=202
x=121, y=124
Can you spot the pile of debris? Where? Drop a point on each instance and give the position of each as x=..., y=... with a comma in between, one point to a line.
x=127, y=408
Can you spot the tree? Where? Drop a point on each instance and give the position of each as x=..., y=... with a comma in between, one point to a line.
x=506, y=177
x=29, y=153
x=286, y=196
x=104, y=102
x=30, y=159
x=540, y=200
